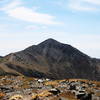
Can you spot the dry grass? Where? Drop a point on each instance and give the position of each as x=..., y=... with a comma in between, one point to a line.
x=68, y=95
x=34, y=96
x=16, y=97
x=2, y=95
x=45, y=93
x=97, y=83
x=53, y=83
x=98, y=94
x=55, y=98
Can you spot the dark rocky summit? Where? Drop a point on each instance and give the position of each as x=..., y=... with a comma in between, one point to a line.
x=51, y=59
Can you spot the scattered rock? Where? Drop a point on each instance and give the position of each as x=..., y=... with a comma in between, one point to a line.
x=24, y=88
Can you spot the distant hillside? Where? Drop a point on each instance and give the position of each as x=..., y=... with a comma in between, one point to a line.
x=51, y=59
x=1, y=57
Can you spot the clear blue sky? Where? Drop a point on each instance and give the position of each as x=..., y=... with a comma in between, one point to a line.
x=27, y=22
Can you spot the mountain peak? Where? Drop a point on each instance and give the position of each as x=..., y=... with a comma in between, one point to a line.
x=50, y=41
x=54, y=60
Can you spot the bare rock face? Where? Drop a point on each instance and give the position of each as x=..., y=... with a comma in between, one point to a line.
x=54, y=60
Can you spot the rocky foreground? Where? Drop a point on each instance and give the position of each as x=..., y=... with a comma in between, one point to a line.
x=24, y=88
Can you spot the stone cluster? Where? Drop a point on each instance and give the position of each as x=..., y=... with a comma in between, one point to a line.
x=26, y=88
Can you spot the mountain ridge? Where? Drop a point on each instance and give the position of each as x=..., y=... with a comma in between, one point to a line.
x=52, y=59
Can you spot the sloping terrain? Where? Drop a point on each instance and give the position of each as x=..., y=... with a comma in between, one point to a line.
x=1, y=57
x=51, y=59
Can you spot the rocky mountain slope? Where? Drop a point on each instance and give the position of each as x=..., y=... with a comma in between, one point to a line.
x=51, y=59
x=1, y=57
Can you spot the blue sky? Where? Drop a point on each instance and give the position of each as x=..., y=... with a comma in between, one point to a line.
x=27, y=22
